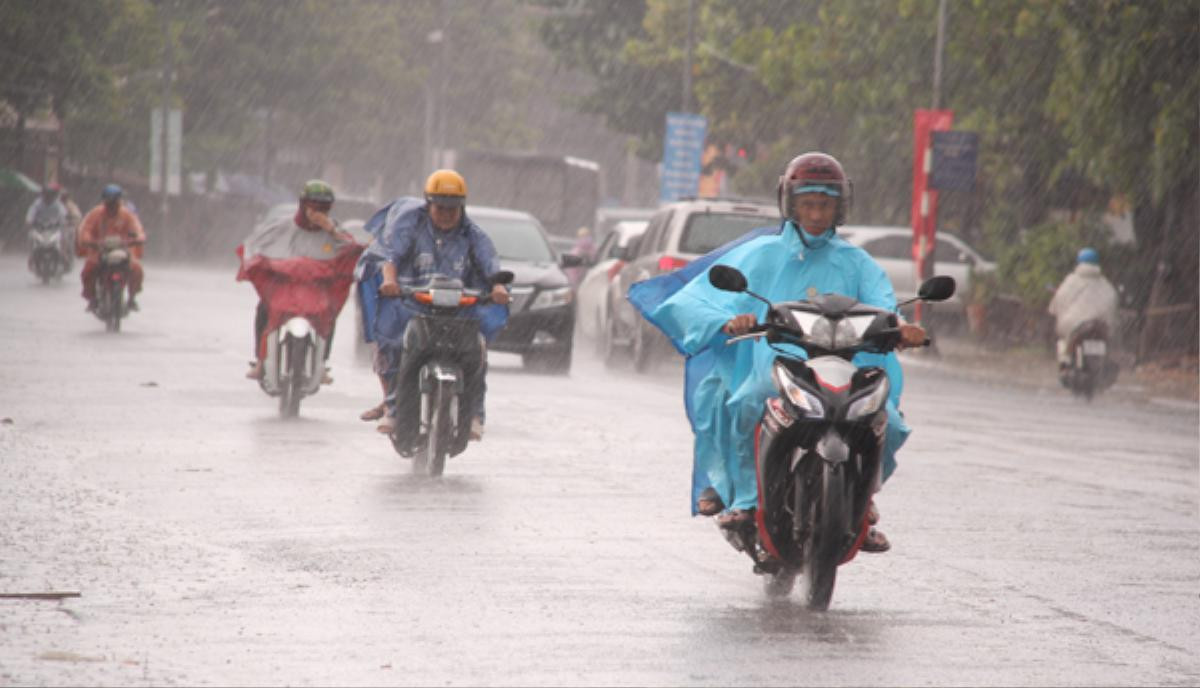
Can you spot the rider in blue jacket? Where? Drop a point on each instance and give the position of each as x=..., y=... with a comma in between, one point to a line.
x=414, y=241
x=728, y=385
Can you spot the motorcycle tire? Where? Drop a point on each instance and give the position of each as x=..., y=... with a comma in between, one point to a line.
x=115, y=305
x=824, y=547
x=439, y=430
x=293, y=389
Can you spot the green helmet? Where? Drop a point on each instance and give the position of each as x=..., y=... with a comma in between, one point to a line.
x=317, y=190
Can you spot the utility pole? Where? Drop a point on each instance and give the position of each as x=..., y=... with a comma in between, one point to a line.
x=937, y=54
x=168, y=67
x=687, y=61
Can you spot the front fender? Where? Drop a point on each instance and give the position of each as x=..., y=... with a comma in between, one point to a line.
x=298, y=328
x=831, y=447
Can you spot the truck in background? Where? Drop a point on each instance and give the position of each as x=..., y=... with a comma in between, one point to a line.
x=561, y=191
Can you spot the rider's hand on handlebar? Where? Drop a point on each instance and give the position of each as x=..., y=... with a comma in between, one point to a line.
x=389, y=288
x=500, y=294
x=911, y=335
x=740, y=324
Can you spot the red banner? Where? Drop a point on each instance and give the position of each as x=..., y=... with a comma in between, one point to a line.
x=924, y=199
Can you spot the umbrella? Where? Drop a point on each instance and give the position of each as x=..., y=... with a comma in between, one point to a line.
x=12, y=179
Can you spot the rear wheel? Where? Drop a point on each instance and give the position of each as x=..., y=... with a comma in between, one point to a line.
x=643, y=354
x=610, y=351
x=829, y=523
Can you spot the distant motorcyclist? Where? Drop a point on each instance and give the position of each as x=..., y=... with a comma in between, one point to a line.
x=417, y=241
x=292, y=244
x=110, y=218
x=48, y=210
x=801, y=259
x=1085, y=294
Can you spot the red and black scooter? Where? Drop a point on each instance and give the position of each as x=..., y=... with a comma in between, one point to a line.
x=819, y=444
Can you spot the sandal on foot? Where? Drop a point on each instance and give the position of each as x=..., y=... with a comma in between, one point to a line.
x=735, y=518
x=384, y=427
x=709, y=503
x=875, y=541
x=373, y=413
x=872, y=513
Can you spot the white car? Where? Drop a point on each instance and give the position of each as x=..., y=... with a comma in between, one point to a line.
x=677, y=234
x=891, y=247
x=590, y=297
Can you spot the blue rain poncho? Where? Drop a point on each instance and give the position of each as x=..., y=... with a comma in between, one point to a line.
x=403, y=233
x=726, y=386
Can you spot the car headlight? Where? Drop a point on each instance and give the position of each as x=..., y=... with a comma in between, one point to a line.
x=870, y=403
x=800, y=397
x=549, y=298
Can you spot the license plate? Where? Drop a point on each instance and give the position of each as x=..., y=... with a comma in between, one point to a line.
x=1094, y=347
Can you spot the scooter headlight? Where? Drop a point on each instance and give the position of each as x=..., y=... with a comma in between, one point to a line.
x=869, y=403
x=801, y=398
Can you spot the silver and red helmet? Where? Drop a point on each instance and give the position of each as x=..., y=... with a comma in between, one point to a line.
x=815, y=173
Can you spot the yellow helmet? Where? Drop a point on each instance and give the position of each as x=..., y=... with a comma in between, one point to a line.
x=446, y=187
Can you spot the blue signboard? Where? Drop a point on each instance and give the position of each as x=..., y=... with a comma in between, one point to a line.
x=683, y=147
x=954, y=160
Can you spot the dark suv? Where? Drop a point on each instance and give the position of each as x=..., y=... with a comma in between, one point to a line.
x=541, y=321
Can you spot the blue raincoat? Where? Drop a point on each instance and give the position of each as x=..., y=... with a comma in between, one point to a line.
x=726, y=386
x=404, y=235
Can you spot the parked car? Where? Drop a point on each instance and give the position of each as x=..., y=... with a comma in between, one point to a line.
x=541, y=319
x=677, y=234
x=891, y=247
x=608, y=216
x=590, y=313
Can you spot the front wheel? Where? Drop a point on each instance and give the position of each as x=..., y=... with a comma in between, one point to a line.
x=293, y=387
x=438, y=440
x=114, y=307
x=828, y=524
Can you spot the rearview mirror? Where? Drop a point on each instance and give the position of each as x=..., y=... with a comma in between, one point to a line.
x=726, y=278
x=502, y=277
x=937, y=288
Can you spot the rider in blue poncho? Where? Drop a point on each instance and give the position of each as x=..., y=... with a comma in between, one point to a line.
x=414, y=240
x=726, y=386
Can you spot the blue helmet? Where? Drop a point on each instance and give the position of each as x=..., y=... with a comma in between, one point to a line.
x=111, y=193
x=1088, y=255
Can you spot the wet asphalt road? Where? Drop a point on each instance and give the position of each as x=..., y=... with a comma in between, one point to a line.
x=1036, y=540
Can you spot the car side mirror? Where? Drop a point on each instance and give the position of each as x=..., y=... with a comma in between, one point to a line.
x=726, y=278
x=570, y=260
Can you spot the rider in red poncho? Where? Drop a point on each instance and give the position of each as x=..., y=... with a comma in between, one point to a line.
x=301, y=265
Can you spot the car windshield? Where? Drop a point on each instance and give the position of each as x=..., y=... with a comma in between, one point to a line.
x=517, y=239
x=707, y=231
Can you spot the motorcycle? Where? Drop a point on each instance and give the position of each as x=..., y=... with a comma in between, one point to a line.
x=112, y=278
x=47, y=259
x=294, y=364
x=438, y=347
x=818, y=446
x=1090, y=370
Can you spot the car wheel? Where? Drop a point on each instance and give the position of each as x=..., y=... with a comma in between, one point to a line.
x=643, y=353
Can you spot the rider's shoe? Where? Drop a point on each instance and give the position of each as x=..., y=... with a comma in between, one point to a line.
x=476, y=429
x=326, y=378
x=735, y=518
x=385, y=426
x=255, y=372
x=132, y=304
x=875, y=541
x=373, y=413
x=92, y=305
x=709, y=503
